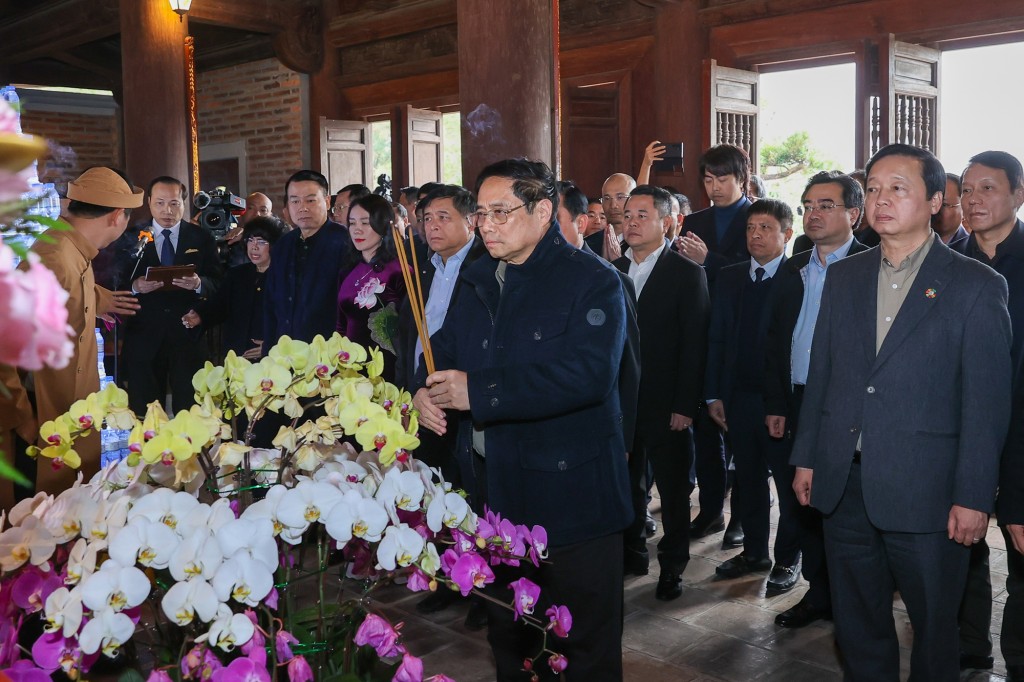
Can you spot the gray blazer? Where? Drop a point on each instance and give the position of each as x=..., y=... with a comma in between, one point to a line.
x=932, y=406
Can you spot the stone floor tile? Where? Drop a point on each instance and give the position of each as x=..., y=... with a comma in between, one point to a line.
x=659, y=637
x=742, y=621
x=730, y=659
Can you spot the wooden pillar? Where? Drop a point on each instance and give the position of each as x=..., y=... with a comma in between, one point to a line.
x=508, y=89
x=156, y=136
x=680, y=46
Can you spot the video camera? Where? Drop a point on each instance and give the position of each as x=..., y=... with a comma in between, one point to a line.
x=215, y=210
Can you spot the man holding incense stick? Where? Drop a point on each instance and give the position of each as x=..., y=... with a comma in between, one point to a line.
x=529, y=358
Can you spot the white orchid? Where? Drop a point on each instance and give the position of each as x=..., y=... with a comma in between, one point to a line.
x=370, y=519
x=29, y=542
x=149, y=543
x=446, y=509
x=62, y=517
x=188, y=599
x=400, y=547
x=430, y=562
x=206, y=518
x=198, y=556
x=307, y=503
x=114, y=588
x=63, y=611
x=105, y=518
x=269, y=508
x=107, y=630
x=228, y=630
x=164, y=505
x=243, y=579
x=401, y=490
x=253, y=537
x=82, y=560
x=28, y=507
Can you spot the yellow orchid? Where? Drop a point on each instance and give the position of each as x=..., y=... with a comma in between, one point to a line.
x=358, y=412
x=266, y=378
x=198, y=431
x=375, y=366
x=325, y=425
x=136, y=439
x=234, y=367
x=231, y=453
x=57, y=432
x=167, y=447
x=387, y=437
x=286, y=438
x=62, y=454
x=210, y=380
x=87, y=414
x=292, y=354
x=345, y=353
x=212, y=419
x=154, y=420
x=115, y=402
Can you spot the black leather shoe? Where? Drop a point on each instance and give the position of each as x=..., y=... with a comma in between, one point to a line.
x=740, y=565
x=650, y=525
x=783, y=578
x=733, y=534
x=438, y=600
x=670, y=586
x=1015, y=673
x=635, y=563
x=702, y=526
x=476, y=617
x=972, y=662
x=801, y=615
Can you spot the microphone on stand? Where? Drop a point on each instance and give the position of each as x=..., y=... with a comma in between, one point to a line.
x=145, y=237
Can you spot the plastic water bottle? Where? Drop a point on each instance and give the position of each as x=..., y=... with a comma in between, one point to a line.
x=100, y=364
x=51, y=201
x=9, y=94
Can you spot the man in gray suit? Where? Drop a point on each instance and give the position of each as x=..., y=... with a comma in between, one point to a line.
x=904, y=415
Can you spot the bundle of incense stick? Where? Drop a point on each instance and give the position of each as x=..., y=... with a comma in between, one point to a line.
x=414, y=288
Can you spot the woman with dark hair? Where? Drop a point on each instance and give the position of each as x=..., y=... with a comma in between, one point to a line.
x=372, y=285
x=239, y=300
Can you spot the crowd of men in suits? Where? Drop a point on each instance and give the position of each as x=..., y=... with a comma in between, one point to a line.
x=586, y=350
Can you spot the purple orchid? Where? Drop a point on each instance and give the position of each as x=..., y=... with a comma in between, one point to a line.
x=299, y=670
x=411, y=670
x=561, y=620
x=242, y=670
x=526, y=594
x=25, y=671
x=159, y=676
x=32, y=587
x=378, y=633
x=283, y=641
x=199, y=663
x=558, y=663
x=471, y=571
x=418, y=581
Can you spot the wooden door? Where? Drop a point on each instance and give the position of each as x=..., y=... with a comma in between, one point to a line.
x=731, y=100
x=420, y=146
x=913, y=95
x=590, y=142
x=345, y=153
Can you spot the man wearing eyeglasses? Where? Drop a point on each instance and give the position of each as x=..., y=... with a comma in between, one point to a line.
x=948, y=223
x=529, y=357
x=832, y=205
x=159, y=354
x=614, y=193
x=343, y=199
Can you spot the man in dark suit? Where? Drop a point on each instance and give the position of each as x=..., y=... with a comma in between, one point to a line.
x=832, y=206
x=301, y=297
x=673, y=310
x=529, y=356
x=716, y=237
x=734, y=385
x=904, y=417
x=159, y=352
x=991, y=193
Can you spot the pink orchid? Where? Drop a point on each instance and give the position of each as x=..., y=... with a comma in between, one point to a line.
x=471, y=571
x=299, y=670
x=254, y=647
x=512, y=542
x=537, y=541
x=271, y=599
x=9, y=651
x=159, y=676
x=33, y=315
x=411, y=670
x=418, y=581
x=378, y=633
x=526, y=594
x=561, y=620
x=25, y=671
x=283, y=641
x=53, y=651
x=32, y=587
x=448, y=560
x=439, y=678
x=242, y=670
x=558, y=663
x=200, y=663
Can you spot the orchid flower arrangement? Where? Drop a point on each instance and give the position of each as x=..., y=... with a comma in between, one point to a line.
x=195, y=545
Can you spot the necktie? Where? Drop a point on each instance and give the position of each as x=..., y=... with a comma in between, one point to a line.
x=167, y=250
x=758, y=275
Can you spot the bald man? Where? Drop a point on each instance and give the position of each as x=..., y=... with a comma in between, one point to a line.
x=614, y=193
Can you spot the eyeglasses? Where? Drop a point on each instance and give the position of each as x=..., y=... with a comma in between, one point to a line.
x=617, y=197
x=949, y=205
x=497, y=216
x=256, y=241
x=339, y=209
x=822, y=206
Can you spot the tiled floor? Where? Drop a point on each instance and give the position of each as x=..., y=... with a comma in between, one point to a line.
x=719, y=630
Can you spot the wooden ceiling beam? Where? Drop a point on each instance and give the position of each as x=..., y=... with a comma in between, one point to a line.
x=364, y=26
x=56, y=26
x=102, y=68
x=746, y=10
x=255, y=16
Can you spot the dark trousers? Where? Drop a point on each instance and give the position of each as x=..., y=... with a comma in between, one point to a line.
x=756, y=454
x=975, y=616
x=161, y=358
x=805, y=522
x=671, y=463
x=587, y=578
x=640, y=479
x=1011, y=634
x=866, y=566
x=709, y=464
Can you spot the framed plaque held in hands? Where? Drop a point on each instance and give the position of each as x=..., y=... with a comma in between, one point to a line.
x=165, y=273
